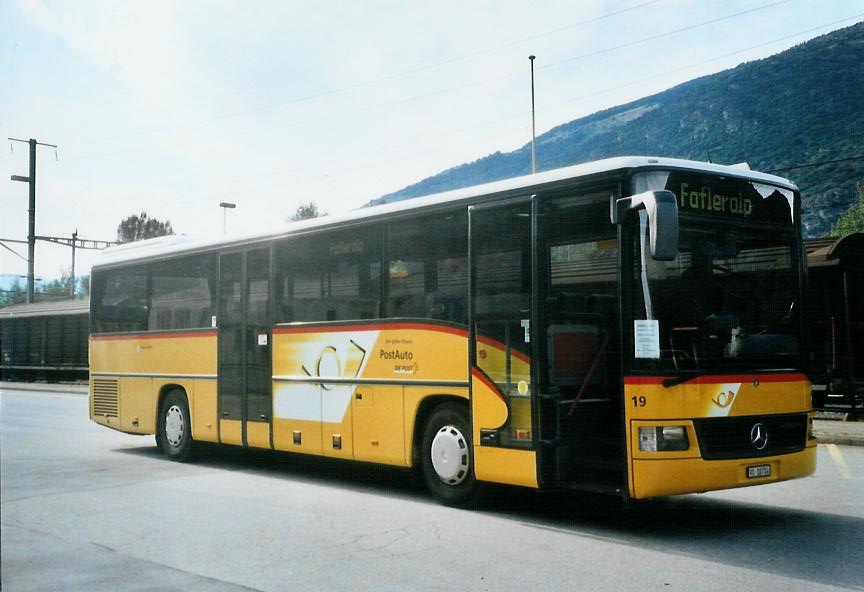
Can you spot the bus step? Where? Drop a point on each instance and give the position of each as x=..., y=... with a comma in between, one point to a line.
x=600, y=463
x=595, y=482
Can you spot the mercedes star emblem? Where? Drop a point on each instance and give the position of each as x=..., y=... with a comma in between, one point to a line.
x=759, y=436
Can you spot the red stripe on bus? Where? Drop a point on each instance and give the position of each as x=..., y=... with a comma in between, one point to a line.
x=720, y=378
x=482, y=377
x=371, y=327
x=207, y=333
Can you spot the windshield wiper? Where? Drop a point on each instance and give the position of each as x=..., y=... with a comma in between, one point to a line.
x=682, y=378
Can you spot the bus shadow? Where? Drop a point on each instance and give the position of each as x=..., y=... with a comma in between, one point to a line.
x=805, y=545
x=348, y=474
x=810, y=546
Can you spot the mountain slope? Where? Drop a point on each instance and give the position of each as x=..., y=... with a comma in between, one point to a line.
x=801, y=106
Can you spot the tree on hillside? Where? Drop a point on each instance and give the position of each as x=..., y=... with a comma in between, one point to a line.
x=56, y=289
x=853, y=219
x=306, y=211
x=61, y=287
x=140, y=227
x=16, y=294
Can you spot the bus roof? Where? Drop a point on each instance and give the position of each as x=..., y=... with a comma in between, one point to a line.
x=169, y=245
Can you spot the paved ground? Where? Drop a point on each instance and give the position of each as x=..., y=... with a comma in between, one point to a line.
x=849, y=433
x=87, y=508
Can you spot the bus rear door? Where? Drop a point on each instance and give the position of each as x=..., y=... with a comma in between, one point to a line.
x=245, y=388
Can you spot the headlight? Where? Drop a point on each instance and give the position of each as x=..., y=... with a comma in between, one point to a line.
x=663, y=438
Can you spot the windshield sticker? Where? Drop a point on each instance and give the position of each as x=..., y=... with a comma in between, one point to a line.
x=647, y=338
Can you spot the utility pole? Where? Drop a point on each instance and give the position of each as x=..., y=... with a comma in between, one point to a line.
x=75, y=243
x=72, y=282
x=31, y=213
x=531, y=58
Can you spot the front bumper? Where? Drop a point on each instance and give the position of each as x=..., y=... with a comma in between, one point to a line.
x=671, y=476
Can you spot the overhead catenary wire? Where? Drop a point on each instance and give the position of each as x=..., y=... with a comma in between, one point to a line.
x=428, y=95
x=13, y=251
x=462, y=129
x=490, y=122
x=819, y=163
x=361, y=84
x=352, y=165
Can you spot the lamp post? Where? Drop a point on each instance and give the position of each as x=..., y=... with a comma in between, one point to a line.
x=225, y=207
x=533, y=126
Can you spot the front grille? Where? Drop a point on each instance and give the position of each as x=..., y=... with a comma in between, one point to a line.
x=106, y=393
x=731, y=437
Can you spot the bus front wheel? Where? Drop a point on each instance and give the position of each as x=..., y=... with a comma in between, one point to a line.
x=447, y=456
x=174, y=429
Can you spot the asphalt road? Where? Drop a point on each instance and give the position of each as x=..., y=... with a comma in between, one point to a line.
x=87, y=508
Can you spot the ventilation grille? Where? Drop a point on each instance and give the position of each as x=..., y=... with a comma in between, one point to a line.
x=723, y=438
x=105, y=396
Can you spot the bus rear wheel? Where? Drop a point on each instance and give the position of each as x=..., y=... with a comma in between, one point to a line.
x=448, y=468
x=174, y=428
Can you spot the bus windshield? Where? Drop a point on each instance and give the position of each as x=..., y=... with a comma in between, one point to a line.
x=729, y=299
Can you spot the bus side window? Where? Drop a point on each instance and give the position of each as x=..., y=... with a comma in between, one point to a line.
x=120, y=301
x=427, y=268
x=333, y=276
x=181, y=293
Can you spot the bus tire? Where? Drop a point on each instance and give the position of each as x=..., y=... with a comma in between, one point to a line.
x=447, y=456
x=174, y=428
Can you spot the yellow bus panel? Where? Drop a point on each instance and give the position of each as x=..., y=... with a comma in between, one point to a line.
x=177, y=354
x=506, y=465
x=137, y=406
x=231, y=431
x=203, y=407
x=258, y=434
x=379, y=425
x=297, y=435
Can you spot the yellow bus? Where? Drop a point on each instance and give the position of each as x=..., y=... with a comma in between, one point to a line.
x=629, y=325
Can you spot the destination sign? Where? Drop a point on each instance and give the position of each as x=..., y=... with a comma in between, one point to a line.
x=729, y=198
x=704, y=198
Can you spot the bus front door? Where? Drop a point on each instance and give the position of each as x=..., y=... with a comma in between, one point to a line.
x=501, y=280
x=245, y=394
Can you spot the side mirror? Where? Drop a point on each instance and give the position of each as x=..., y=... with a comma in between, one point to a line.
x=662, y=210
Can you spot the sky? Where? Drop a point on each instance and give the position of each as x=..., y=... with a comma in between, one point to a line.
x=173, y=107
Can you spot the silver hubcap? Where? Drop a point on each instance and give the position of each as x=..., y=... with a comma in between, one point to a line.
x=450, y=455
x=174, y=425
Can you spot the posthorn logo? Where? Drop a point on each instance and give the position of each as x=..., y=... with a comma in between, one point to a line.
x=759, y=436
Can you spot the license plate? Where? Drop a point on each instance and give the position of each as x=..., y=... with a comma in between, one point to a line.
x=758, y=471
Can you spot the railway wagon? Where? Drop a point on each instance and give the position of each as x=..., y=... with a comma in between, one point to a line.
x=835, y=322
x=44, y=341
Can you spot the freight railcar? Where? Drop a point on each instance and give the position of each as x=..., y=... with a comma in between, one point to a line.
x=835, y=322
x=44, y=341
